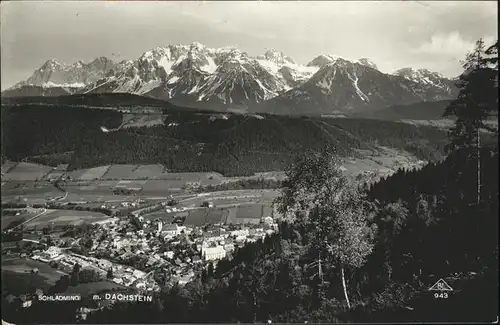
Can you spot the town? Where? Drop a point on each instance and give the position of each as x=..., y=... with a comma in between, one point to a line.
x=145, y=254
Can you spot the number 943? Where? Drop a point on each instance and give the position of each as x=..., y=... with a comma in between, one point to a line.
x=442, y=295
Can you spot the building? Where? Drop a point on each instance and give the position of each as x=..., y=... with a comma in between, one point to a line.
x=240, y=233
x=213, y=253
x=268, y=220
x=118, y=280
x=53, y=252
x=173, y=230
x=138, y=274
x=229, y=247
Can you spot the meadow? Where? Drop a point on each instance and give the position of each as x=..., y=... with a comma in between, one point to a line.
x=65, y=217
x=17, y=276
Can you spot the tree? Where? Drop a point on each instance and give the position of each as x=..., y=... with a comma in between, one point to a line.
x=74, y=277
x=210, y=270
x=109, y=274
x=492, y=55
x=54, y=264
x=473, y=106
x=332, y=209
x=86, y=242
x=88, y=276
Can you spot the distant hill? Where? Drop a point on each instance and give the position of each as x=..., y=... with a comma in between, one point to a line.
x=188, y=140
x=118, y=100
x=417, y=111
x=35, y=91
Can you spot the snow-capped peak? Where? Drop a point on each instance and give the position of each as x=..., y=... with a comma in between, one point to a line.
x=324, y=59
x=367, y=62
x=197, y=46
x=52, y=64
x=196, y=73
x=77, y=64
x=417, y=74
x=276, y=57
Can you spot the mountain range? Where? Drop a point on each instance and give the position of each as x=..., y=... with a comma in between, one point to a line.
x=227, y=78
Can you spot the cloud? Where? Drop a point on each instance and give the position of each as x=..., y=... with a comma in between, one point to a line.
x=445, y=45
x=450, y=45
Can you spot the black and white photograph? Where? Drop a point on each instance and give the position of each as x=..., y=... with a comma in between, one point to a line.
x=250, y=162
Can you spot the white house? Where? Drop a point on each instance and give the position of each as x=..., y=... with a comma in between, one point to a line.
x=139, y=274
x=213, y=253
x=172, y=230
x=268, y=220
x=53, y=252
x=241, y=232
x=241, y=238
x=118, y=280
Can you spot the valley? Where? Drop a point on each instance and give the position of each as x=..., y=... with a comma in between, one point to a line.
x=194, y=184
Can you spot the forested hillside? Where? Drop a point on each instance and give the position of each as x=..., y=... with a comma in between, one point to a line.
x=426, y=230
x=421, y=229
x=197, y=141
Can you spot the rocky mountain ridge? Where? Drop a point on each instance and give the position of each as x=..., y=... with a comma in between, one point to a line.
x=225, y=78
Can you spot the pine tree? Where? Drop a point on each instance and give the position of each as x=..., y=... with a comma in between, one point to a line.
x=472, y=107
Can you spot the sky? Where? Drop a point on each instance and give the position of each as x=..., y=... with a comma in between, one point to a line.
x=434, y=35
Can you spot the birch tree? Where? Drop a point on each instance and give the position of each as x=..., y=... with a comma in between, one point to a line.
x=321, y=196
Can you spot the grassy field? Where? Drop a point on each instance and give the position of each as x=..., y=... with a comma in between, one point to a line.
x=6, y=220
x=202, y=216
x=119, y=172
x=8, y=166
x=249, y=211
x=223, y=198
x=54, y=174
x=26, y=172
x=66, y=217
x=86, y=289
x=148, y=172
x=17, y=277
x=94, y=173
x=162, y=215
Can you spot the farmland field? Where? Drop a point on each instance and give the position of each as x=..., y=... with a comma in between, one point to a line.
x=148, y=172
x=224, y=198
x=134, y=183
x=7, y=220
x=26, y=172
x=94, y=173
x=7, y=166
x=54, y=174
x=162, y=215
x=65, y=217
x=119, y=172
x=201, y=216
x=250, y=211
x=162, y=187
x=17, y=277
